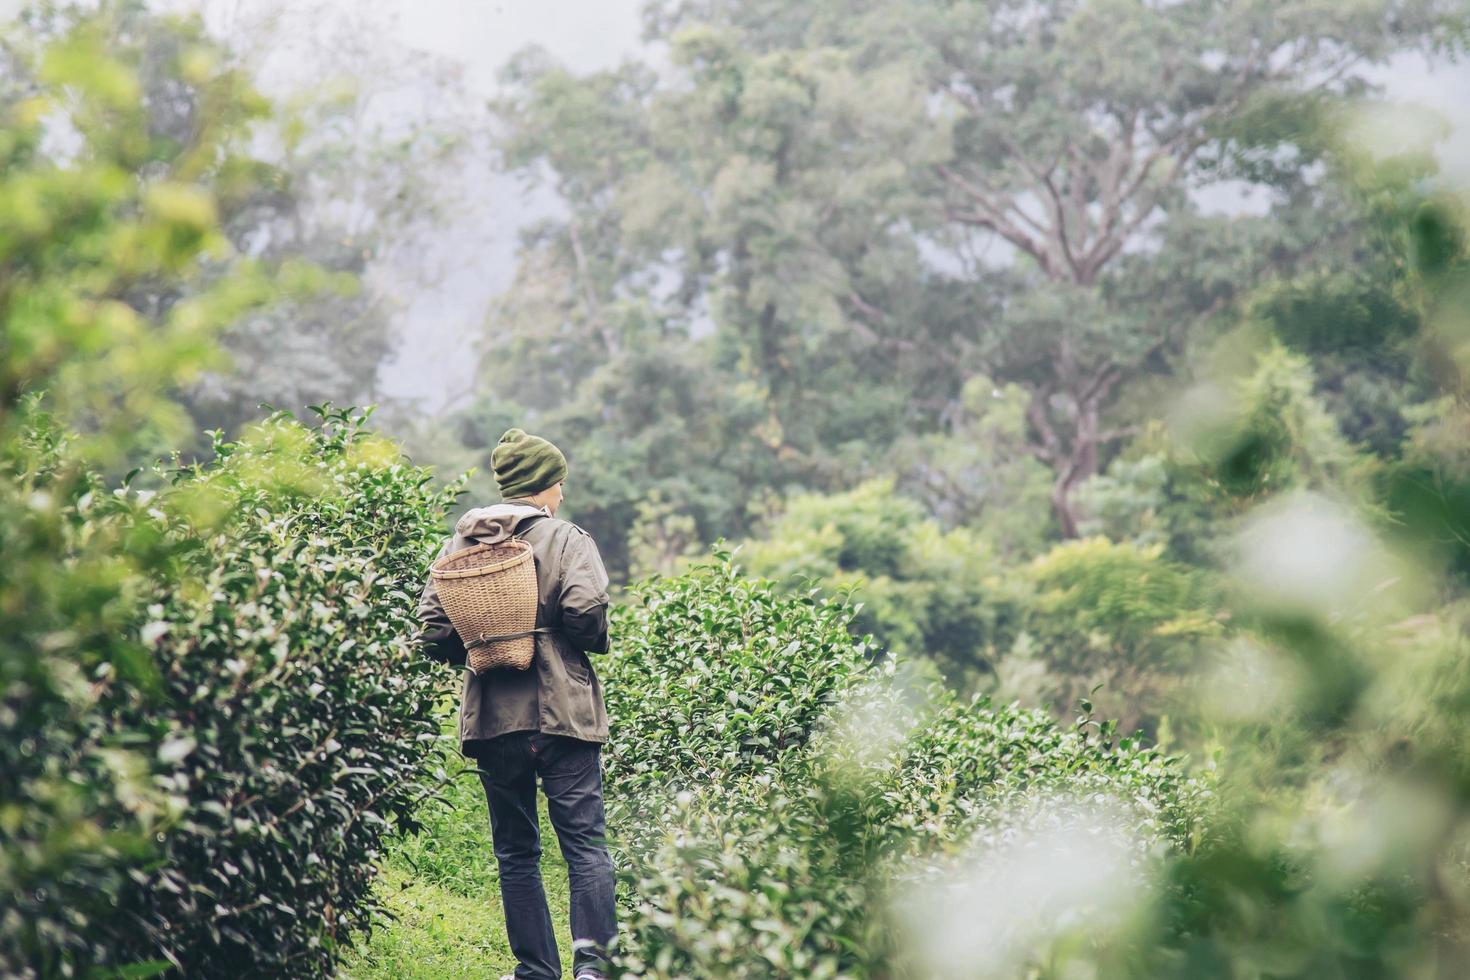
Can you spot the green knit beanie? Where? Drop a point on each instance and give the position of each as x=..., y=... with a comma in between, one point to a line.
x=526, y=464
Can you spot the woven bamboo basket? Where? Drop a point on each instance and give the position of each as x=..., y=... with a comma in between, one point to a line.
x=489, y=592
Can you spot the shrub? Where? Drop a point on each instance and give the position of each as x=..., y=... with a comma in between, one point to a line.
x=1121, y=617
x=925, y=591
x=258, y=719
x=748, y=856
x=117, y=276
x=715, y=677
x=77, y=805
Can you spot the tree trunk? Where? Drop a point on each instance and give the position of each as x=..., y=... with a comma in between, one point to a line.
x=1061, y=505
x=1080, y=463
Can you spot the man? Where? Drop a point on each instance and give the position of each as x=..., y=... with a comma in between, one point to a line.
x=547, y=721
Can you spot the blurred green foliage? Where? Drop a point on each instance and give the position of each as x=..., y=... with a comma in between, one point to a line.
x=86, y=378
x=136, y=111
x=89, y=235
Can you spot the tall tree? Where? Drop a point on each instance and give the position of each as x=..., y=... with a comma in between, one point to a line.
x=732, y=220
x=825, y=174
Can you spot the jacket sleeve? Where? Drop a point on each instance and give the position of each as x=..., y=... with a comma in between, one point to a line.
x=583, y=593
x=436, y=636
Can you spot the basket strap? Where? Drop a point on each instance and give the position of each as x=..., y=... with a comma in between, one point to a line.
x=526, y=525
x=486, y=640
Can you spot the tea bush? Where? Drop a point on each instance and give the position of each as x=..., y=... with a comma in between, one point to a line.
x=258, y=722
x=77, y=804
x=715, y=677
x=787, y=785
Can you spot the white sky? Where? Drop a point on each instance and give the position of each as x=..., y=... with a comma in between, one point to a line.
x=435, y=329
x=587, y=34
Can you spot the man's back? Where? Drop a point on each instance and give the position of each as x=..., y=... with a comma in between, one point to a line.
x=560, y=692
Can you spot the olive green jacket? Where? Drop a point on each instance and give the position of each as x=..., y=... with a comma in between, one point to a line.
x=559, y=693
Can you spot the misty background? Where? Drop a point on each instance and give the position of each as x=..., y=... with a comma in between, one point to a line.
x=441, y=285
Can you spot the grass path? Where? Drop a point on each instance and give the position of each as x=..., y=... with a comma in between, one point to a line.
x=444, y=890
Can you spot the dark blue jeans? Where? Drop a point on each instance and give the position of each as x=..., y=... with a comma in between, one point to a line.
x=571, y=774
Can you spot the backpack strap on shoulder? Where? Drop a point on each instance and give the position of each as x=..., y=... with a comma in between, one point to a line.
x=527, y=524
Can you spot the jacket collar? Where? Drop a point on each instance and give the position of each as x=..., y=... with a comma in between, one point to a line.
x=497, y=522
x=526, y=502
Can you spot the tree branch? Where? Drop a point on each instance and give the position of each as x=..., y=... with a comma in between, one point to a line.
x=1003, y=228
x=1113, y=435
